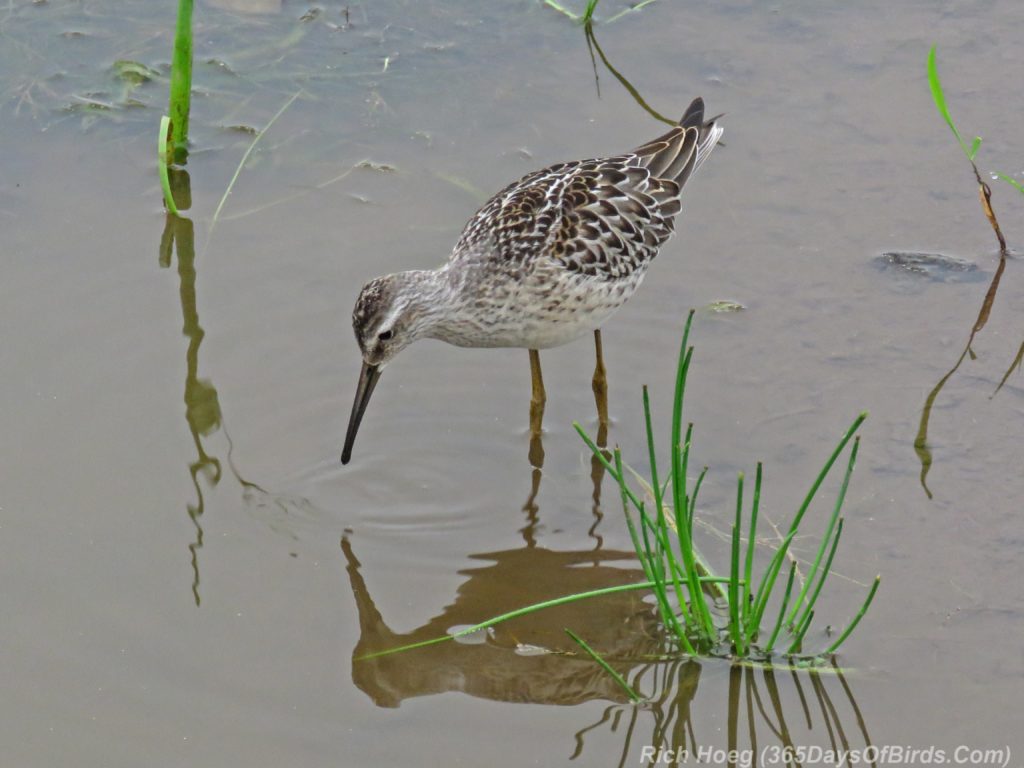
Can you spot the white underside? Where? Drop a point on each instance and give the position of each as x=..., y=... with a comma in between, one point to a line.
x=535, y=333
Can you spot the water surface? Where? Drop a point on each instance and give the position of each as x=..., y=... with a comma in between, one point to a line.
x=189, y=571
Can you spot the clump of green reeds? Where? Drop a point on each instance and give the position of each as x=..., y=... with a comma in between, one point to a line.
x=709, y=615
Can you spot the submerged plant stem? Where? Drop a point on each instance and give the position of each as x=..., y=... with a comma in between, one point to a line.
x=604, y=665
x=181, y=82
x=165, y=182
x=241, y=163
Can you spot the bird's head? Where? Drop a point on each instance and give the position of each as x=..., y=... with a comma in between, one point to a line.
x=391, y=312
x=383, y=320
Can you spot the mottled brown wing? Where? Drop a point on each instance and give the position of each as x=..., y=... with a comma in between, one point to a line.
x=517, y=222
x=615, y=216
x=602, y=217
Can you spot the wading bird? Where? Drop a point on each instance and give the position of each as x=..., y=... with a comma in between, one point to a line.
x=544, y=261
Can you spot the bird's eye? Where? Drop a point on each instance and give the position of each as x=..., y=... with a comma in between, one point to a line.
x=386, y=335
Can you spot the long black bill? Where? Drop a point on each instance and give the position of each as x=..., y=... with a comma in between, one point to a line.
x=367, y=381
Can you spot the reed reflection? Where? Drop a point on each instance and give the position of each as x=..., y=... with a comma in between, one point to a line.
x=202, y=407
x=529, y=660
x=921, y=447
x=785, y=710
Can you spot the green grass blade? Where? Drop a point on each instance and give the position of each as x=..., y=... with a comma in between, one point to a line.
x=805, y=616
x=165, y=181
x=652, y=454
x=561, y=9
x=856, y=619
x=599, y=453
x=685, y=606
x=975, y=146
x=631, y=9
x=825, y=539
x=1011, y=181
x=825, y=470
x=662, y=550
x=782, y=609
x=768, y=581
x=657, y=564
x=604, y=665
x=681, y=370
x=940, y=103
x=512, y=615
x=798, y=636
x=245, y=157
x=664, y=607
x=698, y=606
x=696, y=491
x=748, y=570
x=661, y=592
x=588, y=12
x=634, y=537
x=764, y=591
x=680, y=475
x=679, y=508
x=702, y=563
x=738, y=636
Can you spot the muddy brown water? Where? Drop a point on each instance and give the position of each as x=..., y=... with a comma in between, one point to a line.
x=189, y=572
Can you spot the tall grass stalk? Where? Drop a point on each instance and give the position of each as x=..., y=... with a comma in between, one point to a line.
x=985, y=194
x=940, y=102
x=181, y=82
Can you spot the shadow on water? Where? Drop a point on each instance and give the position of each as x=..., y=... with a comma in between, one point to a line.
x=526, y=659
x=529, y=659
x=921, y=447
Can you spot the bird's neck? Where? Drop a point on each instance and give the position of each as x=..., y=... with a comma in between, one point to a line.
x=428, y=300
x=438, y=306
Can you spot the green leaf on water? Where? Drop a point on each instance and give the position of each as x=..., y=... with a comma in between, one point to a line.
x=940, y=103
x=165, y=182
x=724, y=306
x=1011, y=181
x=974, y=147
x=604, y=665
x=134, y=72
x=631, y=9
x=561, y=9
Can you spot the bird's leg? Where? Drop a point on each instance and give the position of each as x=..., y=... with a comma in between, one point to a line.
x=597, y=472
x=600, y=383
x=538, y=397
